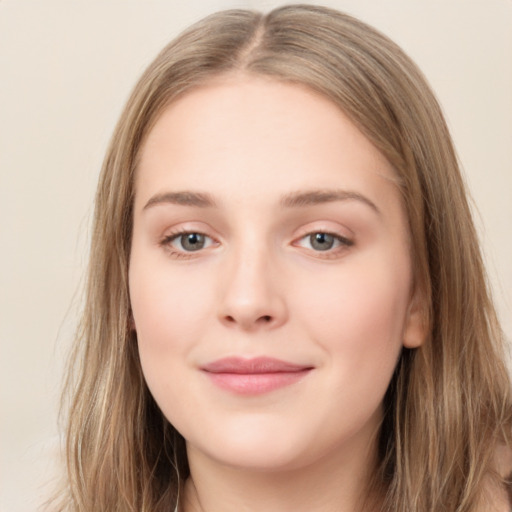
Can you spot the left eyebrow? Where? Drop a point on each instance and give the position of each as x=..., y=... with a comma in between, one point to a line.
x=314, y=197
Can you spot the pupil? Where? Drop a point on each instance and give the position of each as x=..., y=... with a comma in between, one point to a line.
x=193, y=242
x=322, y=241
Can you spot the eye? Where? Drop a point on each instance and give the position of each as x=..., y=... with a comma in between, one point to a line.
x=187, y=241
x=321, y=241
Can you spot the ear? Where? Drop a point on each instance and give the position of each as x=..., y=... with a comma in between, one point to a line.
x=131, y=323
x=416, y=321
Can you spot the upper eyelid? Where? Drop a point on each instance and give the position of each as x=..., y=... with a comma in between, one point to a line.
x=343, y=239
x=338, y=230
x=332, y=232
x=187, y=227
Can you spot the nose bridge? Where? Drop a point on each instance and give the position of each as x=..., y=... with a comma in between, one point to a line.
x=252, y=297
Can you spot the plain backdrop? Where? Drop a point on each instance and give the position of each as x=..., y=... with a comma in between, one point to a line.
x=66, y=69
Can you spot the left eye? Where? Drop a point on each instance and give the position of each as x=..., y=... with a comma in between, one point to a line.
x=190, y=242
x=323, y=241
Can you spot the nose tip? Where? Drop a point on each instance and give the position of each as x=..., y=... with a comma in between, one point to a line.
x=251, y=298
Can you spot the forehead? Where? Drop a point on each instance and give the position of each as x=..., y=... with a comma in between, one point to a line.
x=259, y=134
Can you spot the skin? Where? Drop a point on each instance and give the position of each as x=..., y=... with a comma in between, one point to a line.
x=260, y=287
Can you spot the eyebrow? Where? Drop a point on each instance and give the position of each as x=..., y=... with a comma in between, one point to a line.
x=293, y=200
x=314, y=197
x=185, y=198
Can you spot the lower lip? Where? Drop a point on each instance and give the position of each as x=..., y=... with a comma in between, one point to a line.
x=256, y=383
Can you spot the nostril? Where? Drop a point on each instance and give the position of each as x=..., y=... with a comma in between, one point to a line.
x=254, y=320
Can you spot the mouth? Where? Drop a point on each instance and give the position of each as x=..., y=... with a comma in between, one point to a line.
x=254, y=376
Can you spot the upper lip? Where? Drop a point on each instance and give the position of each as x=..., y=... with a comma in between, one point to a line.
x=253, y=366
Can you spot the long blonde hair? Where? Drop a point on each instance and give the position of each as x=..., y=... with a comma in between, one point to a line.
x=448, y=405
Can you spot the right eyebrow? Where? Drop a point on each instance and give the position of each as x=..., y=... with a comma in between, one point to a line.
x=183, y=198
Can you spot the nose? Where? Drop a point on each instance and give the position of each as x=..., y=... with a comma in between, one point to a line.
x=252, y=293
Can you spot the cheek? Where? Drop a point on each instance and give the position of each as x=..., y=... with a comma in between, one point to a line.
x=171, y=314
x=358, y=316
x=170, y=318
x=167, y=306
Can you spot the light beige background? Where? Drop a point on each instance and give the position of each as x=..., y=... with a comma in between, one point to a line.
x=66, y=68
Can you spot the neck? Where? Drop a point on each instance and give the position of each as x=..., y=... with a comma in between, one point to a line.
x=332, y=483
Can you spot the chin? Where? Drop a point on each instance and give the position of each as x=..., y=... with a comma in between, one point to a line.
x=257, y=459
x=254, y=444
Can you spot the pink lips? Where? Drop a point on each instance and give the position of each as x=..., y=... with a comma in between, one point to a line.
x=254, y=376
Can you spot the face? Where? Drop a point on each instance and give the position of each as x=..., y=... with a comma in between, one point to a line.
x=270, y=275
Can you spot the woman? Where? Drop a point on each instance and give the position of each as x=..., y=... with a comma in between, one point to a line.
x=286, y=306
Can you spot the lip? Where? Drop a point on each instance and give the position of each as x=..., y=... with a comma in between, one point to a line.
x=254, y=376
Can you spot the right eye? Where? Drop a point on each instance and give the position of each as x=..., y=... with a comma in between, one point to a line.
x=187, y=242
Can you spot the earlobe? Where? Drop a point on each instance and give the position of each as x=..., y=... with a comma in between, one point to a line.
x=416, y=323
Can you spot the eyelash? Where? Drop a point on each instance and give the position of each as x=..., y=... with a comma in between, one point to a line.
x=343, y=244
x=166, y=242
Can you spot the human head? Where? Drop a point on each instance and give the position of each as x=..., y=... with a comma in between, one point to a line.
x=382, y=92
